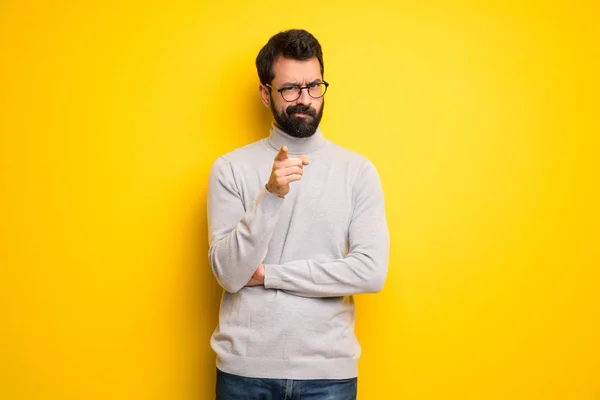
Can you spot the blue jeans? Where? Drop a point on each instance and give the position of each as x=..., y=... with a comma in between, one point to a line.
x=234, y=387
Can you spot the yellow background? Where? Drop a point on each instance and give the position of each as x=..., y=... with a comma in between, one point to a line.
x=481, y=119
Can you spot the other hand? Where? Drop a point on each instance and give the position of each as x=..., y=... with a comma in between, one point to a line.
x=258, y=278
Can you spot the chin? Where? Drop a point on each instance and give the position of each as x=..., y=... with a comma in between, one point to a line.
x=304, y=133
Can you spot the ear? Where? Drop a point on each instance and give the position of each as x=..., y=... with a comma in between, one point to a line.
x=265, y=95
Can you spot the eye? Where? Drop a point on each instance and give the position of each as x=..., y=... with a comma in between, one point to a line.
x=288, y=89
x=316, y=89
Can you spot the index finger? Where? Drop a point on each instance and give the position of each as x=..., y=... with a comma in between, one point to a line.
x=283, y=154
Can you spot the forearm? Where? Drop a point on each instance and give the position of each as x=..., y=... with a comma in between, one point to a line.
x=355, y=274
x=234, y=256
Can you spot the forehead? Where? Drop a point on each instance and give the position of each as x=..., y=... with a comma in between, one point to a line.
x=295, y=71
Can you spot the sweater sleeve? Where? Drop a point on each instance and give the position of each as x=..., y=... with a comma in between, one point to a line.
x=363, y=270
x=238, y=238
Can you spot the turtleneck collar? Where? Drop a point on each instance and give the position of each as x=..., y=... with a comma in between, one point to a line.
x=296, y=146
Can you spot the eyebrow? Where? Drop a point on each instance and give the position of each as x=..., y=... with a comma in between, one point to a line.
x=288, y=84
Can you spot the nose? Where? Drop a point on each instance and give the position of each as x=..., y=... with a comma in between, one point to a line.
x=304, y=97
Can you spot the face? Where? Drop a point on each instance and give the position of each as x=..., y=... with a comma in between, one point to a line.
x=299, y=118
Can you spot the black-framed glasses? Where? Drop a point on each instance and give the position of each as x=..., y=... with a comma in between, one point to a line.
x=293, y=93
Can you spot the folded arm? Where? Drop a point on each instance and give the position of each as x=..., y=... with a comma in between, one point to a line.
x=363, y=270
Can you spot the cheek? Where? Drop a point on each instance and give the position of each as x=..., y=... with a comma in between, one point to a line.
x=276, y=105
x=317, y=106
x=282, y=107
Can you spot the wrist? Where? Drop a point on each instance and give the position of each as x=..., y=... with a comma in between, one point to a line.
x=270, y=191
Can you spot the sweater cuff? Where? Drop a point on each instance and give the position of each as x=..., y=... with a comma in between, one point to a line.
x=267, y=201
x=288, y=276
x=272, y=281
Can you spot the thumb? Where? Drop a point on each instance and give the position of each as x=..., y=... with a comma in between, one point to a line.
x=282, y=155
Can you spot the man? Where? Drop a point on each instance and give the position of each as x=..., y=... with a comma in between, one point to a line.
x=296, y=228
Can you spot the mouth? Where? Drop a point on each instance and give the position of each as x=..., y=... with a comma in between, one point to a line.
x=299, y=114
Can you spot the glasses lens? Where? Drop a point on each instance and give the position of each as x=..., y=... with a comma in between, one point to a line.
x=290, y=94
x=317, y=90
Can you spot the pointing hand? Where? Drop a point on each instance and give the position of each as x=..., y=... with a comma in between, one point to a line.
x=285, y=170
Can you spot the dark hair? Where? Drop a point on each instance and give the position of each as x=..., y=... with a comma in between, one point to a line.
x=295, y=44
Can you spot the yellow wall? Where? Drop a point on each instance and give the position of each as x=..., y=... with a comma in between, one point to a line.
x=480, y=118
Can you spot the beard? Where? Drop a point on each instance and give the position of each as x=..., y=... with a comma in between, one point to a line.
x=300, y=127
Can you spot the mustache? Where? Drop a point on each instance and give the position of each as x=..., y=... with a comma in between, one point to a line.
x=301, y=108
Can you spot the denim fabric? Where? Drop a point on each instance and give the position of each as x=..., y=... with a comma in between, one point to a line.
x=234, y=387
